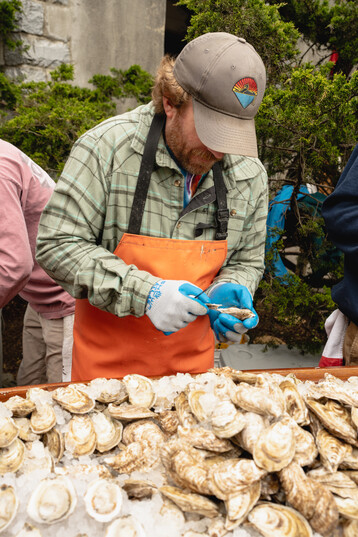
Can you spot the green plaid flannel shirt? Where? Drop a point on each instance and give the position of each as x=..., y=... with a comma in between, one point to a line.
x=89, y=210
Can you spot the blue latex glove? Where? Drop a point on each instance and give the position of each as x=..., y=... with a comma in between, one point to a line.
x=172, y=304
x=227, y=327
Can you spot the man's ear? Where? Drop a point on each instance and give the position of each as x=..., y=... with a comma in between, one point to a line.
x=168, y=106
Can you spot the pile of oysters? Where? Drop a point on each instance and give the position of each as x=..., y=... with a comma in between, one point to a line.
x=236, y=452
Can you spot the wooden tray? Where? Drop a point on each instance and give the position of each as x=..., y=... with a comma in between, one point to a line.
x=302, y=373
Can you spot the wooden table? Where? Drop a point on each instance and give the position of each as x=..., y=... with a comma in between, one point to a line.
x=302, y=373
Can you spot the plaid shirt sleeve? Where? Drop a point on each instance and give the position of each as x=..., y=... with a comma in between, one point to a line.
x=69, y=239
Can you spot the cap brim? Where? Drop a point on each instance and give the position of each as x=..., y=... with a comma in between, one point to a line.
x=225, y=133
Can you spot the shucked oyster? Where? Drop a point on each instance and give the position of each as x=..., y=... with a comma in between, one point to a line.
x=108, y=431
x=52, y=500
x=239, y=313
x=103, y=500
x=12, y=457
x=8, y=506
x=126, y=526
x=81, y=437
x=43, y=419
x=271, y=519
x=8, y=431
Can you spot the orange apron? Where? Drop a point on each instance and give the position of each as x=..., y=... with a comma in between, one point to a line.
x=109, y=346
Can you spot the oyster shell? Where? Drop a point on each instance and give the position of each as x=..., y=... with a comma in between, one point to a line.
x=254, y=425
x=8, y=431
x=334, y=388
x=139, y=489
x=73, y=399
x=55, y=443
x=338, y=483
x=9, y=504
x=227, y=420
x=129, y=412
x=52, y=500
x=185, y=416
x=185, y=465
x=12, y=457
x=239, y=505
x=42, y=419
x=295, y=404
x=140, y=390
x=257, y=399
x=25, y=432
x=202, y=438
x=239, y=313
x=275, y=448
x=278, y=520
x=190, y=502
x=306, y=450
x=137, y=456
x=350, y=528
x=350, y=461
x=201, y=403
x=347, y=507
x=108, y=431
x=145, y=430
x=332, y=451
x=103, y=500
x=311, y=499
x=168, y=421
x=232, y=476
x=126, y=526
x=19, y=406
x=335, y=418
x=81, y=437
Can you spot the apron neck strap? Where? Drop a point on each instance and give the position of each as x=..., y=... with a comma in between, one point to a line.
x=145, y=173
x=222, y=213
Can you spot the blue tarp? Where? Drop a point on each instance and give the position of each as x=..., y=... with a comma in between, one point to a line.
x=278, y=208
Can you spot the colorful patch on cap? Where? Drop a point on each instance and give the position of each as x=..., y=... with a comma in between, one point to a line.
x=245, y=90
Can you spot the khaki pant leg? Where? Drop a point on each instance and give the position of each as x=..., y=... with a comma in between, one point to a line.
x=53, y=335
x=350, y=345
x=32, y=368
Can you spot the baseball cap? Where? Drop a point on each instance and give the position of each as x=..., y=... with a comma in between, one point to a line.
x=226, y=78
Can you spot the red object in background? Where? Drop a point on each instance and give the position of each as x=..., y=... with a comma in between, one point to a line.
x=333, y=58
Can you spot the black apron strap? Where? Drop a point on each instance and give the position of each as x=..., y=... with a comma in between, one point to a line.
x=145, y=173
x=222, y=213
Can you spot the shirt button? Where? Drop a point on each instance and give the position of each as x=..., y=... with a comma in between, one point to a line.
x=179, y=224
x=232, y=212
x=132, y=310
x=177, y=182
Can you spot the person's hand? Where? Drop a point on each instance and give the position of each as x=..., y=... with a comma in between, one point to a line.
x=227, y=327
x=171, y=304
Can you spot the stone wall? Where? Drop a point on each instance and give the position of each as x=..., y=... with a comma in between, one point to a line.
x=93, y=35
